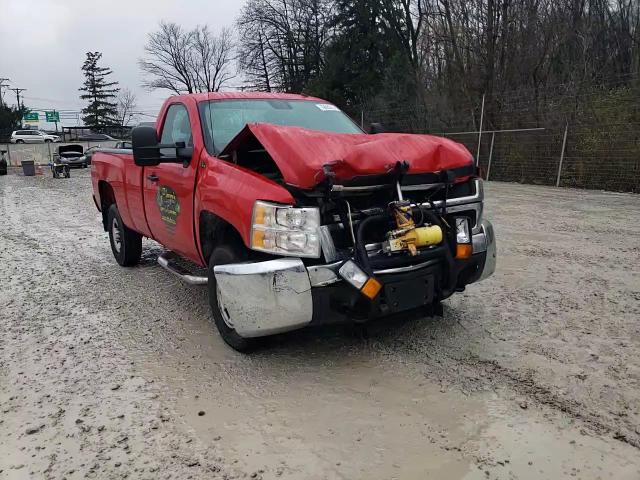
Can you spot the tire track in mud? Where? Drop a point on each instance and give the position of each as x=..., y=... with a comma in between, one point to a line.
x=526, y=385
x=73, y=402
x=487, y=374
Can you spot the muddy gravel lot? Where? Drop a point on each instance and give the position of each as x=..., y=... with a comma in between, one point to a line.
x=108, y=372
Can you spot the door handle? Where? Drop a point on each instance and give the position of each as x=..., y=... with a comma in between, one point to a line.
x=153, y=177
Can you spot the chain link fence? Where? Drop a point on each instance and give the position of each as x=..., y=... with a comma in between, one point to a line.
x=573, y=137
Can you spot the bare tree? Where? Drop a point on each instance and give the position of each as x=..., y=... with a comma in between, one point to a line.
x=256, y=59
x=168, y=61
x=187, y=60
x=126, y=105
x=282, y=42
x=212, y=58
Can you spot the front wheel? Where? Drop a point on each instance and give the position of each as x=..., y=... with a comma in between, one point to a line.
x=221, y=255
x=126, y=244
x=19, y=141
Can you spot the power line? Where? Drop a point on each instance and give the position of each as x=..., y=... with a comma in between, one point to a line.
x=54, y=100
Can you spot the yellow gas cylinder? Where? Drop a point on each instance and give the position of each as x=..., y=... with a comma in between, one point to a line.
x=426, y=236
x=414, y=239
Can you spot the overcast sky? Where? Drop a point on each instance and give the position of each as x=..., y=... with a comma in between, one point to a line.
x=43, y=43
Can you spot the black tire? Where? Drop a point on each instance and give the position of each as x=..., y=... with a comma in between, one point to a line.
x=48, y=141
x=67, y=173
x=221, y=255
x=126, y=244
x=19, y=141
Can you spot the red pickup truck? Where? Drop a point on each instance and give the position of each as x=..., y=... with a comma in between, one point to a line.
x=298, y=216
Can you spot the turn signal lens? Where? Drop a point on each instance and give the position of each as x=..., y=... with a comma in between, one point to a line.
x=259, y=214
x=371, y=288
x=258, y=238
x=464, y=250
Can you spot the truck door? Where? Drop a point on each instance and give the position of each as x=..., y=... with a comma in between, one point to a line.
x=169, y=187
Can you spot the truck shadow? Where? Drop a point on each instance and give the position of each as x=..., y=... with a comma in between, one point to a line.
x=407, y=330
x=379, y=334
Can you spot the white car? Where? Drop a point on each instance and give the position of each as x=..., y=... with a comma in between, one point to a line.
x=32, y=136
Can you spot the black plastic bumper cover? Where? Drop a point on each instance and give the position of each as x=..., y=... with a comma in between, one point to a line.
x=402, y=292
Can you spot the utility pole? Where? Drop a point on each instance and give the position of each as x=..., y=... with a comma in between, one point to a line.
x=2, y=85
x=18, y=90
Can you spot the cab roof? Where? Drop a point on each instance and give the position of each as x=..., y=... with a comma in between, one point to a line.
x=201, y=97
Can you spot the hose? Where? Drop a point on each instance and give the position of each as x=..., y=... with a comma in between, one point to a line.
x=451, y=264
x=361, y=250
x=363, y=257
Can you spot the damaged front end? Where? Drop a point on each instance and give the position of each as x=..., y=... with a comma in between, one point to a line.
x=356, y=247
x=420, y=237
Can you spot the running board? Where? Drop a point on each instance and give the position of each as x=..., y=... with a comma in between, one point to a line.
x=170, y=263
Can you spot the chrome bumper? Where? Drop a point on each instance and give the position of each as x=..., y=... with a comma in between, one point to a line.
x=486, y=242
x=265, y=298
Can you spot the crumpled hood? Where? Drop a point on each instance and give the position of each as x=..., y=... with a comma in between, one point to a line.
x=300, y=153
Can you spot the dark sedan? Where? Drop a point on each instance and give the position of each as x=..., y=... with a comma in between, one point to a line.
x=72, y=155
x=86, y=158
x=96, y=137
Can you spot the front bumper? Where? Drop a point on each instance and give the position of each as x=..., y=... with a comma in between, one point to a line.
x=265, y=298
x=75, y=163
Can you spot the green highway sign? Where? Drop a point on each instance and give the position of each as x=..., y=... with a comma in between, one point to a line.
x=52, y=116
x=31, y=117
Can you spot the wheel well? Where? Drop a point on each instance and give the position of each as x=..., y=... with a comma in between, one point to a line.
x=107, y=198
x=216, y=231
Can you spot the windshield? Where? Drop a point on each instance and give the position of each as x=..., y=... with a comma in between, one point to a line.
x=223, y=119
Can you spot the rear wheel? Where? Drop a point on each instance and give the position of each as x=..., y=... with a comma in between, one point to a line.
x=19, y=141
x=221, y=255
x=126, y=244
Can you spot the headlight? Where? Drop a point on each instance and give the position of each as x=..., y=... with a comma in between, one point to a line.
x=463, y=232
x=352, y=273
x=464, y=248
x=285, y=230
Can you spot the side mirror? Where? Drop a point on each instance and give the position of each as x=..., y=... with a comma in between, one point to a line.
x=146, y=148
x=376, y=128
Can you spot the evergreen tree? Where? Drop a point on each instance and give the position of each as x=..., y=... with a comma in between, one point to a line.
x=10, y=118
x=354, y=61
x=364, y=64
x=101, y=93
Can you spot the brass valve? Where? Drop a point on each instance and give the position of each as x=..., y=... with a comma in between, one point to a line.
x=414, y=239
x=407, y=236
